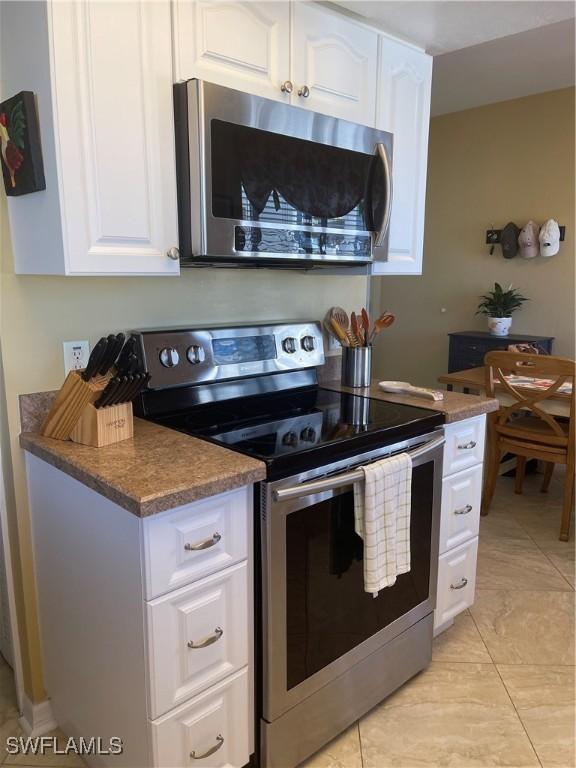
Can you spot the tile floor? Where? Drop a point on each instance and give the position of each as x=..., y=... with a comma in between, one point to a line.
x=500, y=689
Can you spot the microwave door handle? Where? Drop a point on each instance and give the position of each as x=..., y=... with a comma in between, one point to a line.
x=346, y=478
x=383, y=157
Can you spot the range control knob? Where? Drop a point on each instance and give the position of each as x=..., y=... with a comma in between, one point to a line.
x=308, y=435
x=290, y=438
x=169, y=357
x=308, y=343
x=289, y=345
x=195, y=354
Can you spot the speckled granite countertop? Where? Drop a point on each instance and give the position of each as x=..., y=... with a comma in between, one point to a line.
x=454, y=406
x=156, y=470
x=160, y=469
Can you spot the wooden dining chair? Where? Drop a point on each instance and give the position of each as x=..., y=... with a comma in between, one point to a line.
x=525, y=428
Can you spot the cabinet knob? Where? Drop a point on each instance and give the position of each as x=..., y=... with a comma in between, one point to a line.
x=304, y=91
x=287, y=86
x=173, y=253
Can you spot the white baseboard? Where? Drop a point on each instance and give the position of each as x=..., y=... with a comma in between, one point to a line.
x=443, y=627
x=37, y=719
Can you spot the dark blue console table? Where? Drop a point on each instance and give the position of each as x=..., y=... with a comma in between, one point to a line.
x=467, y=348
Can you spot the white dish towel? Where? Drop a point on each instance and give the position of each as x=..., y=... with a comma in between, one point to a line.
x=382, y=519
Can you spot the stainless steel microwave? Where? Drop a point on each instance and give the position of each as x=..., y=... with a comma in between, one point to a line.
x=261, y=183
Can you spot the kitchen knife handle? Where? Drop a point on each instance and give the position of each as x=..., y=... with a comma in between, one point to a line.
x=120, y=394
x=141, y=380
x=107, y=393
x=106, y=361
x=95, y=359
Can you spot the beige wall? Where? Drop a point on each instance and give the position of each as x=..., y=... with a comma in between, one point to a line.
x=38, y=313
x=510, y=161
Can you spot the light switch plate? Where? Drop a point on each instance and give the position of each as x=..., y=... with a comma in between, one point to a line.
x=76, y=355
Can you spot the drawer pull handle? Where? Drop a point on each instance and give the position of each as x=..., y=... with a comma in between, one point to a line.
x=461, y=585
x=467, y=446
x=463, y=510
x=215, y=748
x=216, y=635
x=206, y=544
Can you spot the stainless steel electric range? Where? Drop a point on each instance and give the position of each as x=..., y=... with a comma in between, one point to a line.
x=326, y=651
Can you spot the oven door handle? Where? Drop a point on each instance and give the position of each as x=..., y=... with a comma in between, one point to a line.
x=383, y=156
x=346, y=478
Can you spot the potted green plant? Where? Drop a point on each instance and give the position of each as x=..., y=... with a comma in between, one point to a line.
x=498, y=306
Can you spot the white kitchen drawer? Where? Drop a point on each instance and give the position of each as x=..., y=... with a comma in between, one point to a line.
x=218, y=718
x=456, y=581
x=460, y=515
x=190, y=542
x=213, y=615
x=464, y=444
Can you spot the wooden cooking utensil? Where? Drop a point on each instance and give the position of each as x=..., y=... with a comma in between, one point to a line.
x=341, y=317
x=356, y=329
x=384, y=321
x=339, y=332
x=366, y=325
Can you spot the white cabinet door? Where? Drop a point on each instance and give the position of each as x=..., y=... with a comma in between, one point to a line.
x=210, y=731
x=197, y=636
x=460, y=513
x=112, y=86
x=242, y=45
x=336, y=60
x=187, y=543
x=464, y=444
x=403, y=108
x=456, y=581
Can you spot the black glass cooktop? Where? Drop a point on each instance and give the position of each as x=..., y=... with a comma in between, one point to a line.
x=296, y=430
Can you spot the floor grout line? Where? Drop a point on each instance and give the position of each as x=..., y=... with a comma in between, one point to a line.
x=360, y=743
x=543, y=552
x=518, y=714
x=494, y=664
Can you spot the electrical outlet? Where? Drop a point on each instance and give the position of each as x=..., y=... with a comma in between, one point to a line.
x=76, y=355
x=333, y=346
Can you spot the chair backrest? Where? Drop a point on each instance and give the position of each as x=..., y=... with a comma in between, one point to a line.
x=557, y=370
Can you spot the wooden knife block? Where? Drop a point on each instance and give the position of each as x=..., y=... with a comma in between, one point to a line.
x=103, y=426
x=71, y=400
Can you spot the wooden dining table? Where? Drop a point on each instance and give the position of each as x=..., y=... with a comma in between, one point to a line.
x=474, y=380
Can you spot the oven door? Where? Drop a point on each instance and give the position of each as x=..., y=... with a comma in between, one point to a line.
x=317, y=619
x=270, y=181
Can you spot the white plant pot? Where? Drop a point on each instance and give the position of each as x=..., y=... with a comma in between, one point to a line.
x=499, y=326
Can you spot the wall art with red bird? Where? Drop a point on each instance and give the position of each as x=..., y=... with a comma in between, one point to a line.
x=20, y=148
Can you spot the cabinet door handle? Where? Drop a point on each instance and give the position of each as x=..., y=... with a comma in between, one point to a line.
x=463, y=510
x=205, y=544
x=462, y=584
x=215, y=748
x=287, y=86
x=173, y=253
x=304, y=91
x=216, y=635
x=467, y=446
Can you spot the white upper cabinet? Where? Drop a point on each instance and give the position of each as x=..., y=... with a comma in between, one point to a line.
x=334, y=64
x=242, y=45
x=103, y=75
x=293, y=52
x=403, y=108
x=102, y=72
